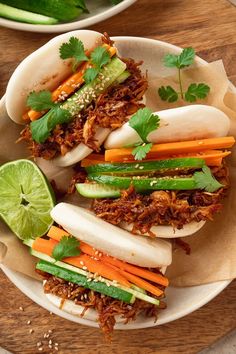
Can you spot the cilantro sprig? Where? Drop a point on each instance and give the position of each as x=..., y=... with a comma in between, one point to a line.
x=73, y=49
x=205, y=180
x=194, y=91
x=143, y=122
x=67, y=247
x=41, y=128
x=99, y=58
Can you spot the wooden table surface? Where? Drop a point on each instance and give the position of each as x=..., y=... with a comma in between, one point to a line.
x=210, y=27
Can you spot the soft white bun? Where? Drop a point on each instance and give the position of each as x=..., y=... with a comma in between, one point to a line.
x=138, y=250
x=176, y=124
x=168, y=231
x=81, y=151
x=42, y=70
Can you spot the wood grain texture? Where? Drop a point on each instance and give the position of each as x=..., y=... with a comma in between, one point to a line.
x=210, y=27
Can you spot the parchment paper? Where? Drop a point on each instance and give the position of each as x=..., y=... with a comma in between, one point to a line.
x=213, y=248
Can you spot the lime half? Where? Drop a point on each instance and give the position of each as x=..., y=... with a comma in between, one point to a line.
x=26, y=199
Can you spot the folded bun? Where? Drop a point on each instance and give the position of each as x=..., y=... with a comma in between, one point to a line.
x=176, y=124
x=138, y=250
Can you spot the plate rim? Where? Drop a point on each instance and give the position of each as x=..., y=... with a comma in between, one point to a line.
x=68, y=26
x=220, y=285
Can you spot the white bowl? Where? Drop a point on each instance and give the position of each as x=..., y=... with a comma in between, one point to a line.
x=180, y=301
x=100, y=10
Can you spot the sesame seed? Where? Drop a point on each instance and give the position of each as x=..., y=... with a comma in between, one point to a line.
x=50, y=341
x=82, y=263
x=96, y=253
x=84, y=268
x=31, y=331
x=56, y=344
x=39, y=344
x=56, y=348
x=28, y=322
x=141, y=167
x=136, y=166
x=49, y=331
x=40, y=349
x=50, y=346
x=89, y=280
x=21, y=308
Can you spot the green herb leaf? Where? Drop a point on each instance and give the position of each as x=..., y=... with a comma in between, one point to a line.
x=90, y=75
x=73, y=49
x=141, y=151
x=40, y=101
x=100, y=57
x=181, y=61
x=41, y=128
x=196, y=91
x=168, y=94
x=205, y=180
x=144, y=122
x=81, y=4
x=67, y=247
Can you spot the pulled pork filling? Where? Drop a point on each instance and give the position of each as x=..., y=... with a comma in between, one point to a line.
x=110, y=110
x=175, y=208
x=107, y=308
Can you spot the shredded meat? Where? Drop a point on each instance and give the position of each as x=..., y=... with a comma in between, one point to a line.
x=175, y=208
x=106, y=307
x=109, y=110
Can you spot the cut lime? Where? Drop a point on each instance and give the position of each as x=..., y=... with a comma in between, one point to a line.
x=26, y=199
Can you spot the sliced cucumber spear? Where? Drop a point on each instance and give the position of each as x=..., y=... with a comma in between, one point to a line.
x=19, y=15
x=95, y=190
x=81, y=280
x=135, y=168
x=144, y=184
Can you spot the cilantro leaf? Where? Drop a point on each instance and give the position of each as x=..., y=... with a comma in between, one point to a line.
x=73, y=49
x=67, y=247
x=168, y=94
x=196, y=91
x=144, y=122
x=185, y=58
x=41, y=128
x=141, y=151
x=40, y=101
x=100, y=57
x=90, y=75
x=205, y=180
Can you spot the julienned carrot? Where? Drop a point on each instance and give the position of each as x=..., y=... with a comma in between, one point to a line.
x=96, y=266
x=81, y=261
x=142, y=283
x=143, y=273
x=68, y=86
x=56, y=233
x=93, y=159
x=159, y=150
x=44, y=246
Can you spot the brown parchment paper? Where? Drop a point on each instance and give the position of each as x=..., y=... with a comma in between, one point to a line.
x=213, y=248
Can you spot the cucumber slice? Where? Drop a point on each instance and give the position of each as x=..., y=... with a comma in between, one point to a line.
x=135, y=291
x=83, y=97
x=97, y=190
x=135, y=168
x=142, y=184
x=63, y=10
x=25, y=16
x=124, y=76
x=81, y=280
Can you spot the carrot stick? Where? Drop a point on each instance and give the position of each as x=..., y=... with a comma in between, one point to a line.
x=44, y=246
x=92, y=159
x=143, y=273
x=68, y=86
x=56, y=233
x=142, y=283
x=159, y=150
x=95, y=266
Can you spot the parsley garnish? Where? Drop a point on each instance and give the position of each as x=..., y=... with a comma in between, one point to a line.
x=74, y=49
x=194, y=91
x=67, y=247
x=205, y=180
x=143, y=122
x=99, y=58
x=41, y=128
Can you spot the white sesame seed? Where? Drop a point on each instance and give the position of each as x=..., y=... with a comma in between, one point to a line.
x=89, y=280
x=28, y=322
x=50, y=346
x=50, y=341
x=39, y=344
x=56, y=344
x=21, y=308
x=141, y=167
x=49, y=331
x=31, y=331
x=56, y=348
x=82, y=263
x=40, y=349
x=84, y=268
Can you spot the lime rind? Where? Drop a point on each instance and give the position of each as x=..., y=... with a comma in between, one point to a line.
x=26, y=199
